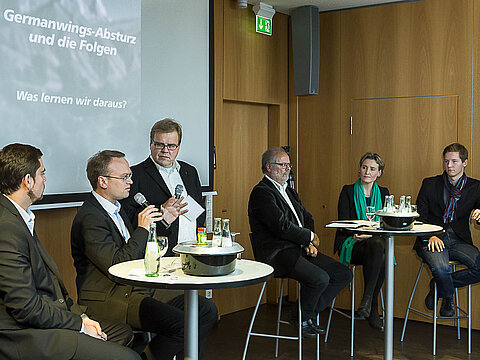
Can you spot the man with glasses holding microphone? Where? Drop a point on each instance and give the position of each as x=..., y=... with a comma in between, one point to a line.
x=159, y=175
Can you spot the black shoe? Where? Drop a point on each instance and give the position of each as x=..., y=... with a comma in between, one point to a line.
x=318, y=328
x=430, y=298
x=365, y=306
x=447, y=308
x=310, y=329
x=375, y=322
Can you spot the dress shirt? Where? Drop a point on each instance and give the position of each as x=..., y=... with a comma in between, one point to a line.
x=27, y=215
x=282, y=189
x=113, y=210
x=187, y=230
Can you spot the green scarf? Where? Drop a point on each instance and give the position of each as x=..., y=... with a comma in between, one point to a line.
x=360, y=206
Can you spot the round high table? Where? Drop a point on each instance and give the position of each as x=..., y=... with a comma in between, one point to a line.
x=389, y=236
x=171, y=276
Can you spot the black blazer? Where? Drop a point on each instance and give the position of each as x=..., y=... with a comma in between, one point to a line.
x=96, y=245
x=148, y=181
x=431, y=207
x=32, y=293
x=276, y=237
x=347, y=211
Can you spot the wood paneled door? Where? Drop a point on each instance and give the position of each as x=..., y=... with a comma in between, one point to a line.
x=408, y=133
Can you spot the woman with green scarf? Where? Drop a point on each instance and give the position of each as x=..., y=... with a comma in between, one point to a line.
x=366, y=250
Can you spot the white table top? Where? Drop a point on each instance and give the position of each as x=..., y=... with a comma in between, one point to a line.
x=417, y=230
x=171, y=276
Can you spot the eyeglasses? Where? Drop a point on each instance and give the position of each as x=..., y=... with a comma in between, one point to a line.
x=124, y=178
x=161, y=146
x=284, y=165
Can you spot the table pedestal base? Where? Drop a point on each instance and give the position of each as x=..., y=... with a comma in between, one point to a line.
x=191, y=325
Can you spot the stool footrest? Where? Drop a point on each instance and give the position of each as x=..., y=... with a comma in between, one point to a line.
x=274, y=336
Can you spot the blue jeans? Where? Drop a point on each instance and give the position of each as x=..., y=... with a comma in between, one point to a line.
x=458, y=250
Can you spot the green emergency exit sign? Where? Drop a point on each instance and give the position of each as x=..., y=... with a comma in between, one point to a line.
x=264, y=25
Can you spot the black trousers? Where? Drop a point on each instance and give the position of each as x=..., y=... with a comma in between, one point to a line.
x=166, y=320
x=371, y=254
x=321, y=279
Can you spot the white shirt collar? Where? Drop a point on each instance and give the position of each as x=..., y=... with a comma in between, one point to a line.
x=175, y=167
x=107, y=205
x=280, y=187
x=27, y=215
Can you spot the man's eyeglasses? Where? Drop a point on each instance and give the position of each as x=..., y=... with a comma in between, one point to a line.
x=284, y=165
x=161, y=146
x=124, y=178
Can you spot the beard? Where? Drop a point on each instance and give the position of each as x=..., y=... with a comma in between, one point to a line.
x=34, y=198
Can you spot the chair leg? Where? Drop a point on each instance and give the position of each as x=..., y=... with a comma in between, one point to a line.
x=330, y=319
x=435, y=321
x=253, y=320
x=383, y=306
x=318, y=338
x=278, y=317
x=469, y=318
x=299, y=324
x=410, y=302
x=352, y=320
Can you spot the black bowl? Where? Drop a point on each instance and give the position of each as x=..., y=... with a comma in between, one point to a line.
x=397, y=221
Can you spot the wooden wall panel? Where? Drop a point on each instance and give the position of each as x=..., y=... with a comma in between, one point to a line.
x=53, y=229
x=408, y=49
x=256, y=66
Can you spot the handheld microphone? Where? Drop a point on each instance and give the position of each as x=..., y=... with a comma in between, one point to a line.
x=140, y=199
x=178, y=191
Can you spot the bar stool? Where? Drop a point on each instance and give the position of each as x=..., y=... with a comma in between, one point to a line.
x=350, y=314
x=277, y=335
x=466, y=314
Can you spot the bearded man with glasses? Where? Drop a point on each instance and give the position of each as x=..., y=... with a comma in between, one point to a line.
x=158, y=176
x=283, y=236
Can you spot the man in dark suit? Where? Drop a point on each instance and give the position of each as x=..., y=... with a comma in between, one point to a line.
x=103, y=236
x=449, y=200
x=157, y=178
x=38, y=320
x=283, y=235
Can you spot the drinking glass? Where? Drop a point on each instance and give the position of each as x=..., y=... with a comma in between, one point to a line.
x=162, y=247
x=370, y=212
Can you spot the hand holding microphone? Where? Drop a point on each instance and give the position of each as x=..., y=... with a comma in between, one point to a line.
x=149, y=214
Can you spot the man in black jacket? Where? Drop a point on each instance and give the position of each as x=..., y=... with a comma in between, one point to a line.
x=38, y=319
x=103, y=236
x=283, y=235
x=449, y=200
x=158, y=176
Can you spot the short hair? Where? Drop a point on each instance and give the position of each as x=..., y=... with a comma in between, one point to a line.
x=166, y=125
x=270, y=156
x=16, y=161
x=373, y=156
x=98, y=165
x=456, y=147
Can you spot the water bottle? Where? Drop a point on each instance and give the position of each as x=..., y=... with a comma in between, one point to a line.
x=217, y=232
x=226, y=237
x=152, y=253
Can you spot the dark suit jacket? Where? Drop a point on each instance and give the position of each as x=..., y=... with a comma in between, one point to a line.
x=346, y=211
x=97, y=244
x=32, y=293
x=276, y=237
x=148, y=181
x=431, y=207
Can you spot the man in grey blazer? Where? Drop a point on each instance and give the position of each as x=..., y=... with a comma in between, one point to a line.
x=38, y=320
x=102, y=236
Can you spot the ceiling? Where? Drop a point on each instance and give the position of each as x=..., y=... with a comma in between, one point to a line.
x=286, y=6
